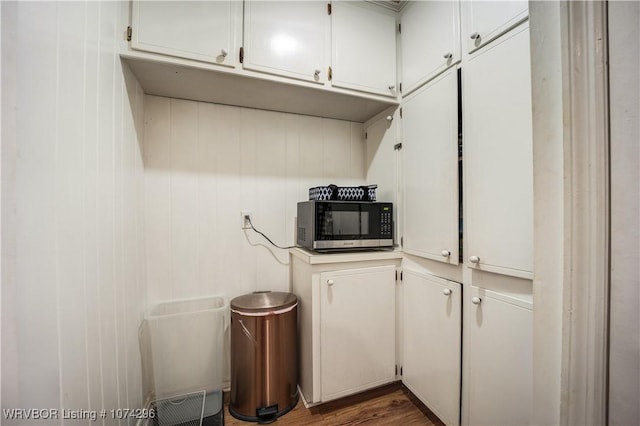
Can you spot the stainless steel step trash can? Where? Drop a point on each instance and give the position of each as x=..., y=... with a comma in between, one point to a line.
x=264, y=356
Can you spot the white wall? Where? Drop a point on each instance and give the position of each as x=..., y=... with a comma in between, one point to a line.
x=624, y=80
x=549, y=209
x=204, y=163
x=72, y=253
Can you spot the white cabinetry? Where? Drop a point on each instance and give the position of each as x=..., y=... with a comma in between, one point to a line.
x=487, y=20
x=206, y=31
x=287, y=38
x=499, y=347
x=432, y=342
x=498, y=157
x=430, y=40
x=357, y=330
x=346, y=321
x=430, y=152
x=363, y=40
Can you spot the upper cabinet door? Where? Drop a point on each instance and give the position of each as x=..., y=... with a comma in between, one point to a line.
x=287, y=38
x=487, y=20
x=206, y=31
x=498, y=158
x=430, y=152
x=363, y=41
x=430, y=40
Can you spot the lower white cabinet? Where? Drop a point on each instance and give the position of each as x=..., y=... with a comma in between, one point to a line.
x=499, y=354
x=432, y=339
x=346, y=322
x=357, y=330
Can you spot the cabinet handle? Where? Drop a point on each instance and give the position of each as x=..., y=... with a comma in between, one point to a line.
x=476, y=300
x=474, y=259
x=446, y=292
x=445, y=253
x=475, y=36
x=392, y=87
x=448, y=55
x=224, y=53
x=329, y=282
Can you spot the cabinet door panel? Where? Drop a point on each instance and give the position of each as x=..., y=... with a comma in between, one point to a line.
x=430, y=32
x=432, y=342
x=430, y=152
x=490, y=19
x=500, y=360
x=498, y=157
x=205, y=31
x=357, y=330
x=363, y=53
x=286, y=38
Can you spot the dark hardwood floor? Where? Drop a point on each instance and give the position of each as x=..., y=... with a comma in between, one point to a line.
x=388, y=405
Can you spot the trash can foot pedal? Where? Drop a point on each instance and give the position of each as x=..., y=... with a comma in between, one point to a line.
x=267, y=415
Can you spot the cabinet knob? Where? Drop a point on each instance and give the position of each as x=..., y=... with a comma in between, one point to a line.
x=389, y=118
x=475, y=36
x=329, y=282
x=476, y=300
x=445, y=253
x=448, y=55
x=474, y=259
x=316, y=74
x=392, y=87
x=446, y=292
x=224, y=53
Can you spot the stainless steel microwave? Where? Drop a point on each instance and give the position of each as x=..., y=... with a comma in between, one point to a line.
x=329, y=225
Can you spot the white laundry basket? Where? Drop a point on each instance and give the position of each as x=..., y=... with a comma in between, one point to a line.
x=182, y=347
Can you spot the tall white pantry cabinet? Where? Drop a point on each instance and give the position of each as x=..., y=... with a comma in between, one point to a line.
x=481, y=78
x=464, y=127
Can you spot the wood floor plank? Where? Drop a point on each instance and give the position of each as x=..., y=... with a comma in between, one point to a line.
x=388, y=405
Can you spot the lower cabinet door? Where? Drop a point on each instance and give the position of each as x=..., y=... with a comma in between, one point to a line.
x=357, y=330
x=432, y=339
x=499, y=376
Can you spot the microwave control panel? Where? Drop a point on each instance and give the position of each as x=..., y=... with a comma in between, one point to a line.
x=386, y=221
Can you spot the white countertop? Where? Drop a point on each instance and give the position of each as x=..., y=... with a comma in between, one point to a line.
x=315, y=258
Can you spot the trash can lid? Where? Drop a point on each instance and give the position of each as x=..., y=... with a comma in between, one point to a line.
x=263, y=301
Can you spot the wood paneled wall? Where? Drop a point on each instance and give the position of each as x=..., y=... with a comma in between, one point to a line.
x=204, y=163
x=73, y=284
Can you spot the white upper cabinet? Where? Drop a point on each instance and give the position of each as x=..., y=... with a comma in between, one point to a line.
x=498, y=157
x=430, y=153
x=432, y=343
x=206, y=31
x=363, y=40
x=430, y=40
x=287, y=38
x=487, y=20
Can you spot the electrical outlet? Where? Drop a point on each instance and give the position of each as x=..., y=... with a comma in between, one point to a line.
x=245, y=217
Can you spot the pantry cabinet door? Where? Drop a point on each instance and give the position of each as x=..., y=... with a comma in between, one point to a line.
x=363, y=41
x=487, y=20
x=499, y=346
x=430, y=40
x=430, y=152
x=287, y=38
x=207, y=31
x=498, y=157
x=357, y=330
x=432, y=342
